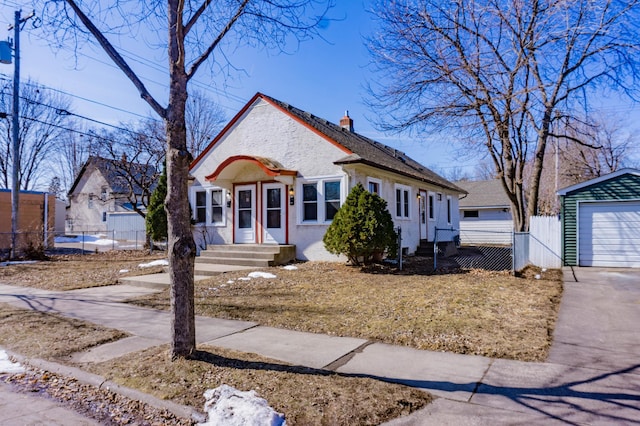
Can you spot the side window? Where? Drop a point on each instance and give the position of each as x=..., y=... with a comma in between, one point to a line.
x=331, y=199
x=373, y=185
x=431, y=208
x=201, y=206
x=310, y=202
x=90, y=202
x=449, y=210
x=216, y=206
x=403, y=197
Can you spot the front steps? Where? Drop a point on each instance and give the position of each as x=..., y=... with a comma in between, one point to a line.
x=243, y=255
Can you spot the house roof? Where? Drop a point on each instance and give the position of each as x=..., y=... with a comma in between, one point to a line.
x=483, y=194
x=358, y=149
x=599, y=179
x=116, y=179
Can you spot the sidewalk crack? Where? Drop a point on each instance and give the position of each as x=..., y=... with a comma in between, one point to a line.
x=479, y=382
x=333, y=366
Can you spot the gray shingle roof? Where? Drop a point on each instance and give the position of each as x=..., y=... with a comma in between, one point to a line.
x=483, y=194
x=117, y=179
x=367, y=151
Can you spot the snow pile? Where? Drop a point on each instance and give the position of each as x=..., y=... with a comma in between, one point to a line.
x=18, y=262
x=259, y=274
x=7, y=366
x=230, y=407
x=161, y=262
x=290, y=267
x=123, y=271
x=98, y=240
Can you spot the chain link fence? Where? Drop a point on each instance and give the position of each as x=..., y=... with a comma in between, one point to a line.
x=32, y=243
x=504, y=250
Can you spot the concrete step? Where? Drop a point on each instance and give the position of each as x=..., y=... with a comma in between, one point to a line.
x=262, y=248
x=236, y=261
x=210, y=270
x=206, y=254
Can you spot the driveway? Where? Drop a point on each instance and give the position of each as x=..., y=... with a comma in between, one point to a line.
x=599, y=320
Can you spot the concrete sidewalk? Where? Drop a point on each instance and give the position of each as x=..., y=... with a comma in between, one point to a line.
x=471, y=389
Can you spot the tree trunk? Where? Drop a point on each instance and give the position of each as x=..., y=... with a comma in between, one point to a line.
x=181, y=245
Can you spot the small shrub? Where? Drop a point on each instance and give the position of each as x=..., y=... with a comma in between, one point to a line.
x=362, y=229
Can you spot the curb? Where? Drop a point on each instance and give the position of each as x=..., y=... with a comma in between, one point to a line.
x=100, y=382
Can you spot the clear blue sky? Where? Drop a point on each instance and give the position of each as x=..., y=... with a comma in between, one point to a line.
x=324, y=77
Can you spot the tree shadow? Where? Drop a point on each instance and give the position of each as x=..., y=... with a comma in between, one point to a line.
x=562, y=402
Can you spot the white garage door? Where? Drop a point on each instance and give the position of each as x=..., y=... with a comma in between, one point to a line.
x=609, y=234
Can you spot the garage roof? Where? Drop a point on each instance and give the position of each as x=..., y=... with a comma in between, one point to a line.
x=565, y=191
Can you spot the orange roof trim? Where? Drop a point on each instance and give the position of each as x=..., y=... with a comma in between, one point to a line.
x=270, y=167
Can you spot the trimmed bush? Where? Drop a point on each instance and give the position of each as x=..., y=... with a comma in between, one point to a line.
x=362, y=229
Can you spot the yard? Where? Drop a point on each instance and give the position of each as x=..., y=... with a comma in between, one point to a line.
x=471, y=312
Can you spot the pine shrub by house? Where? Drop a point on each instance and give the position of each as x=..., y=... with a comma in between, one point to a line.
x=362, y=229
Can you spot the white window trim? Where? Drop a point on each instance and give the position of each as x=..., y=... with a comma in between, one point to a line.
x=374, y=180
x=208, y=191
x=319, y=182
x=402, y=189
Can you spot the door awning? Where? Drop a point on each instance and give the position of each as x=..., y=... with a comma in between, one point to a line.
x=232, y=166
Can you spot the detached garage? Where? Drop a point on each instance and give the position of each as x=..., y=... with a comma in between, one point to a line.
x=601, y=221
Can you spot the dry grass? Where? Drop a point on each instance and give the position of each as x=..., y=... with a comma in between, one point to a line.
x=477, y=312
x=70, y=272
x=306, y=396
x=49, y=336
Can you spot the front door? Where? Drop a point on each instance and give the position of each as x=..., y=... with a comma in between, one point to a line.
x=273, y=213
x=245, y=214
x=423, y=214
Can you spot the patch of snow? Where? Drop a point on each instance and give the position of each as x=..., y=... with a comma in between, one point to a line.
x=97, y=239
x=290, y=267
x=7, y=366
x=537, y=277
x=259, y=274
x=244, y=279
x=228, y=406
x=160, y=262
x=123, y=271
x=230, y=282
x=18, y=262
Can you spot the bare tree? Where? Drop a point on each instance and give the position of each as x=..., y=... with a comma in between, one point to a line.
x=204, y=121
x=72, y=151
x=501, y=72
x=44, y=120
x=196, y=34
x=136, y=155
x=605, y=146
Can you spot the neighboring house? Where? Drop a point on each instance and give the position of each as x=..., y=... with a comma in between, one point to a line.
x=485, y=213
x=34, y=210
x=277, y=175
x=601, y=221
x=102, y=188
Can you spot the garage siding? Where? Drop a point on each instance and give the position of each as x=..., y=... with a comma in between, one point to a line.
x=624, y=187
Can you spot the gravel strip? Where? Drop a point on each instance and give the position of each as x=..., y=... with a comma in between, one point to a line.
x=102, y=405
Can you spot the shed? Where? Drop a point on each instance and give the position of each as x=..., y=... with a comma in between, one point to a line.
x=601, y=221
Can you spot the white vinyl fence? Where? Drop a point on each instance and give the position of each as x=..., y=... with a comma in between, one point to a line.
x=545, y=248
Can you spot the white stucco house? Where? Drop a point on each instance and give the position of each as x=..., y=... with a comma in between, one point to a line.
x=277, y=175
x=485, y=213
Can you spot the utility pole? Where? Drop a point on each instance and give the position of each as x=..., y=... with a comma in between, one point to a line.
x=15, y=124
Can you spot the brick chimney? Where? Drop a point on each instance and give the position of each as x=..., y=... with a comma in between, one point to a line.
x=346, y=122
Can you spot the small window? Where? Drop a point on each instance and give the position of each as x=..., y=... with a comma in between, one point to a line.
x=398, y=202
x=90, y=203
x=406, y=203
x=431, y=208
x=216, y=206
x=103, y=193
x=470, y=213
x=104, y=216
x=201, y=206
x=310, y=201
x=331, y=199
x=448, y=209
x=374, y=186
